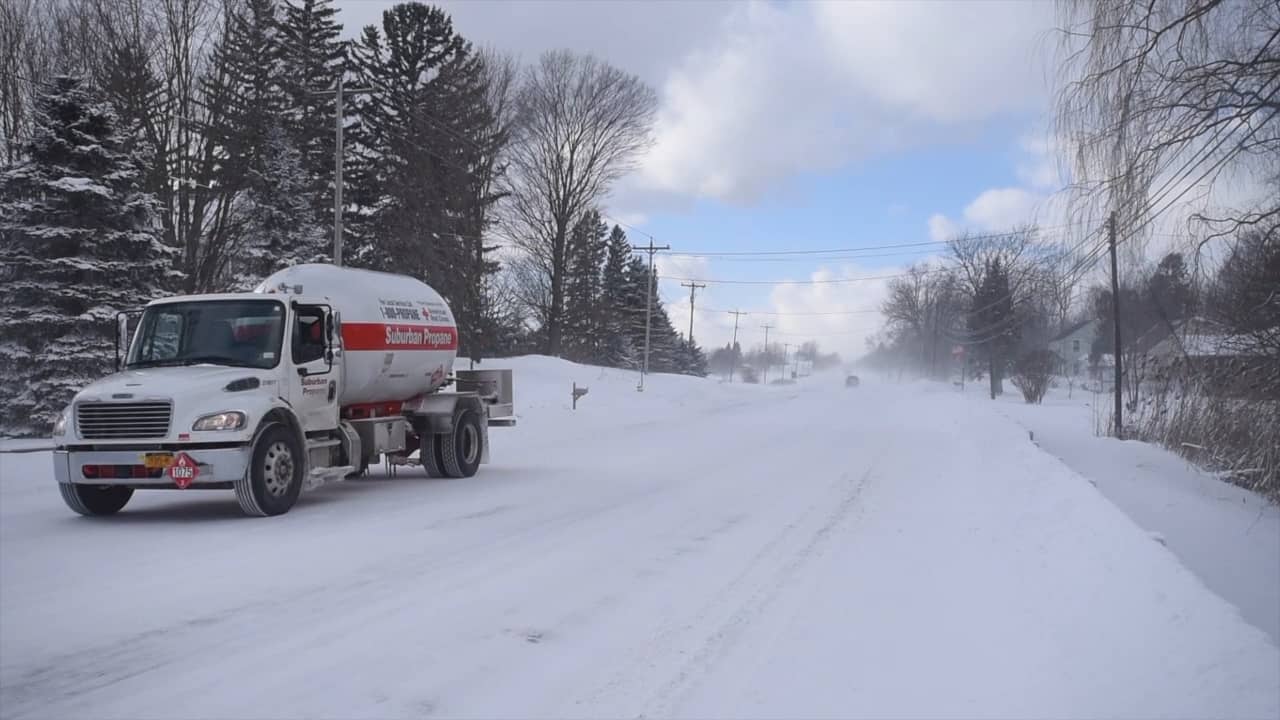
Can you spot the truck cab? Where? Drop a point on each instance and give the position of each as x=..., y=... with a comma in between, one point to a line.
x=202, y=376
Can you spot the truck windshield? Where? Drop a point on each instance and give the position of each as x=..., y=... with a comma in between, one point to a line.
x=243, y=333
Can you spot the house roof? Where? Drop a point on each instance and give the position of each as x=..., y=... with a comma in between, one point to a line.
x=1072, y=329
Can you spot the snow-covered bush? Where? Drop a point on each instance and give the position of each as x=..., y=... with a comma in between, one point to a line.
x=1032, y=374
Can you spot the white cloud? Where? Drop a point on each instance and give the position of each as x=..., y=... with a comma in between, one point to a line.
x=786, y=89
x=845, y=334
x=1040, y=169
x=940, y=227
x=1002, y=208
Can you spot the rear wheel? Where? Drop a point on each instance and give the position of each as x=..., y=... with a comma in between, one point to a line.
x=274, y=480
x=92, y=500
x=430, y=455
x=462, y=448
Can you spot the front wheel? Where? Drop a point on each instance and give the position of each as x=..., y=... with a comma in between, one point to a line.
x=90, y=500
x=274, y=480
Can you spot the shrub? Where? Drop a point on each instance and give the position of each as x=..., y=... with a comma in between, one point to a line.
x=1032, y=373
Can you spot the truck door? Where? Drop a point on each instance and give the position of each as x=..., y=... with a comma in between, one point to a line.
x=314, y=385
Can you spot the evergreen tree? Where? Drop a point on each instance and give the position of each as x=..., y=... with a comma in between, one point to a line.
x=993, y=326
x=77, y=245
x=312, y=56
x=423, y=152
x=693, y=361
x=584, y=316
x=1169, y=290
x=664, y=342
x=273, y=218
x=617, y=348
x=247, y=87
x=278, y=226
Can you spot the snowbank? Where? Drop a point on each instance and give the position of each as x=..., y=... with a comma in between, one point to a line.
x=1228, y=536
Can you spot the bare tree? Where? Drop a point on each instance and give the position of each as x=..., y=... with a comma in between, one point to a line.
x=581, y=124
x=26, y=61
x=922, y=310
x=1161, y=99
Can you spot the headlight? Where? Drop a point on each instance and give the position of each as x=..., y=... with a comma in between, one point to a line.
x=60, y=425
x=220, y=421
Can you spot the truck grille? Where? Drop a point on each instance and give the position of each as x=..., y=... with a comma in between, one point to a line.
x=107, y=421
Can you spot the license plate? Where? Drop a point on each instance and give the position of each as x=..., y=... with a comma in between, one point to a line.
x=157, y=461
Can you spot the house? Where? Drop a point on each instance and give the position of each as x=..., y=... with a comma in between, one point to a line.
x=1072, y=346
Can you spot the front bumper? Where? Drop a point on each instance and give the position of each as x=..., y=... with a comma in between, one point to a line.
x=218, y=467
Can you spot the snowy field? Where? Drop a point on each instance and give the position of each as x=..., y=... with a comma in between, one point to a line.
x=695, y=550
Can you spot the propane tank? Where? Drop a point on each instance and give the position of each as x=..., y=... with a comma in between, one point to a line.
x=399, y=339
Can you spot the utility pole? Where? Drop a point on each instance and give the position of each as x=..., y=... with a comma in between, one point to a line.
x=1115, y=320
x=338, y=115
x=786, y=347
x=648, y=309
x=337, y=174
x=766, y=355
x=693, y=290
x=733, y=349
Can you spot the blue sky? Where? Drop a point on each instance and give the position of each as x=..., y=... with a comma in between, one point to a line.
x=787, y=126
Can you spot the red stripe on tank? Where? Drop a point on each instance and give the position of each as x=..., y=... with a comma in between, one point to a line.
x=393, y=336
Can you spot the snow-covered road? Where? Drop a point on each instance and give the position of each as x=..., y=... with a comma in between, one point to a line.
x=694, y=550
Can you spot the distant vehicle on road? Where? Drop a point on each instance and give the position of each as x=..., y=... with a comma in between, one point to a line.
x=851, y=381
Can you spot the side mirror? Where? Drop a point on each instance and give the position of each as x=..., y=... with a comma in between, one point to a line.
x=122, y=339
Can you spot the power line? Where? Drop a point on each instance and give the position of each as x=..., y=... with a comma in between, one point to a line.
x=632, y=228
x=831, y=281
x=891, y=246
x=796, y=314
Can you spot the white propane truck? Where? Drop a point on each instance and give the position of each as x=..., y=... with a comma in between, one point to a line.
x=313, y=376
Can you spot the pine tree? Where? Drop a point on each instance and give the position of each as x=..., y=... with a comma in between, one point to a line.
x=617, y=348
x=312, y=56
x=664, y=342
x=247, y=87
x=692, y=360
x=993, y=326
x=583, y=321
x=274, y=220
x=278, y=227
x=423, y=157
x=78, y=244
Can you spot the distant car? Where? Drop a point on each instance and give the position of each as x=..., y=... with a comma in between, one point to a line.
x=851, y=381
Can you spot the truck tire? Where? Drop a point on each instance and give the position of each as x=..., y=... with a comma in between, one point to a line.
x=274, y=480
x=90, y=500
x=463, y=447
x=430, y=454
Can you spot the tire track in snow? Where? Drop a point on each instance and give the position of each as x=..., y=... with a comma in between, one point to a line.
x=693, y=651
x=761, y=598
x=71, y=676
x=73, y=679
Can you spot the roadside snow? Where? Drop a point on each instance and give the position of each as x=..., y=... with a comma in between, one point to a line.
x=1228, y=536
x=694, y=550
